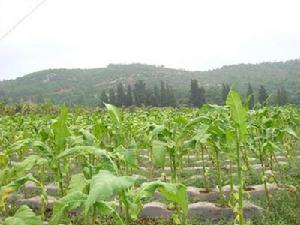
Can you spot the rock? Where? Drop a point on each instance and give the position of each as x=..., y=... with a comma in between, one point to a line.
x=52, y=189
x=252, y=211
x=253, y=160
x=198, y=163
x=155, y=210
x=210, y=211
x=256, y=167
x=280, y=158
x=258, y=190
x=15, y=199
x=35, y=202
x=227, y=190
x=200, y=194
x=30, y=189
x=195, y=169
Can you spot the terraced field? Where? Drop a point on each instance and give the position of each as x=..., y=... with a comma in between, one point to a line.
x=225, y=165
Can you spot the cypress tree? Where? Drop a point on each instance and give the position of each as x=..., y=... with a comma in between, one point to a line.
x=104, y=98
x=197, y=97
x=250, y=96
x=171, y=100
x=139, y=93
x=262, y=95
x=225, y=91
x=194, y=93
x=112, y=96
x=129, y=100
x=156, y=96
x=162, y=94
x=120, y=98
x=201, y=97
x=282, y=97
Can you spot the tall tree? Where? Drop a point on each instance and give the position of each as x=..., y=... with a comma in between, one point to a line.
x=194, y=92
x=171, y=100
x=197, y=97
x=225, y=91
x=150, y=98
x=120, y=98
x=250, y=96
x=163, y=94
x=201, y=97
x=282, y=97
x=156, y=96
x=112, y=96
x=104, y=98
x=262, y=95
x=139, y=93
x=129, y=100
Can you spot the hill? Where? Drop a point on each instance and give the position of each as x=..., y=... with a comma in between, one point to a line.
x=84, y=86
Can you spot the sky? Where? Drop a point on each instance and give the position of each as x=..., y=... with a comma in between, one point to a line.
x=183, y=34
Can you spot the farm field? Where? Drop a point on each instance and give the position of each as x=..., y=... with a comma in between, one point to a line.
x=214, y=165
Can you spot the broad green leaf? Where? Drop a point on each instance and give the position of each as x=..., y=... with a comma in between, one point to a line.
x=60, y=129
x=238, y=113
x=23, y=216
x=104, y=185
x=202, y=134
x=20, y=169
x=172, y=192
x=71, y=201
x=131, y=155
x=291, y=132
x=77, y=183
x=159, y=152
x=114, y=112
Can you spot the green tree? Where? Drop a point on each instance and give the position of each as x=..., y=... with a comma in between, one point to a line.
x=139, y=93
x=129, y=100
x=225, y=91
x=104, y=98
x=197, y=95
x=282, y=98
x=163, y=94
x=171, y=100
x=156, y=96
x=121, y=97
x=112, y=96
x=201, y=97
x=250, y=96
x=262, y=95
x=194, y=92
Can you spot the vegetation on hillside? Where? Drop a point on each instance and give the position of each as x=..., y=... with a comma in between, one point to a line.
x=86, y=86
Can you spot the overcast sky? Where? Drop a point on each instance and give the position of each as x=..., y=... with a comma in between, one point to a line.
x=189, y=34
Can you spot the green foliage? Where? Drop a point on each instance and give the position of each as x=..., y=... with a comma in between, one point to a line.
x=23, y=216
x=104, y=185
x=84, y=87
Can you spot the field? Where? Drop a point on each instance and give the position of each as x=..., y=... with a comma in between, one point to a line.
x=214, y=165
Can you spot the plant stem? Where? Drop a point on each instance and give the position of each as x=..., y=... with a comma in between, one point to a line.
x=204, y=169
x=240, y=182
x=219, y=177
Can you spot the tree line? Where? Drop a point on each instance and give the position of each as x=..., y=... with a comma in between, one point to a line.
x=140, y=95
x=164, y=96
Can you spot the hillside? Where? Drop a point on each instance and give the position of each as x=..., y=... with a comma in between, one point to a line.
x=84, y=86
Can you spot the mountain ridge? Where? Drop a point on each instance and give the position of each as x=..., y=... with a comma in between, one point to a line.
x=84, y=86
